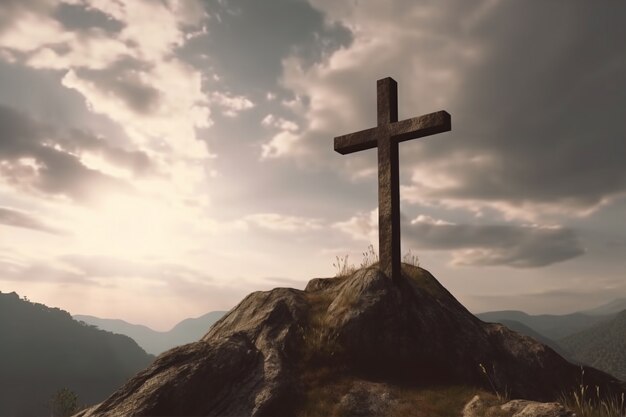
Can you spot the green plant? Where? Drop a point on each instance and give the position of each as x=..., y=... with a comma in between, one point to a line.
x=64, y=403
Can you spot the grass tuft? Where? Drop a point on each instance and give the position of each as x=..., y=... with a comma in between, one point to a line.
x=586, y=404
x=370, y=258
x=342, y=266
x=411, y=258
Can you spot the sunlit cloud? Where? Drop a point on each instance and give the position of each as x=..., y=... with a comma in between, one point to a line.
x=282, y=223
x=362, y=226
x=231, y=105
x=17, y=218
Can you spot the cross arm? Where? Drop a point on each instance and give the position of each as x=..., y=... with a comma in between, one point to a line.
x=417, y=127
x=358, y=141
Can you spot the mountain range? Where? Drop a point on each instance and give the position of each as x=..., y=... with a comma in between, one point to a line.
x=43, y=350
x=602, y=346
x=595, y=337
x=155, y=342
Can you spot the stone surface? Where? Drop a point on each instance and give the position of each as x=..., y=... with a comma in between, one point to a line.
x=364, y=327
x=524, y=408
x=386, y=136
x=515, y=408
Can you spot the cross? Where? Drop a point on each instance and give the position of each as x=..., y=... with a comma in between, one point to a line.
x=386, y=137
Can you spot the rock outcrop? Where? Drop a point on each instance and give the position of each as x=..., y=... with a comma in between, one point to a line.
x=516, y=408
x=359, y=334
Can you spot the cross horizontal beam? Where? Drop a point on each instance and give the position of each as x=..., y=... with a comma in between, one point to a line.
x=416, y=127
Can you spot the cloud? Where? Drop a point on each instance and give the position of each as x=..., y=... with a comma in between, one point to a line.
x=38, y=157
x=535, y=129
x=281, y=144
x=134, y=79
x=490, y=245
x=362, y=226
x=107, y=267
x=106, y=271
x=247, y=41
x=125, y=80
x=283, y=223
x=517, y=246
x=18, y=218
x=231, y=105
x=278, y=122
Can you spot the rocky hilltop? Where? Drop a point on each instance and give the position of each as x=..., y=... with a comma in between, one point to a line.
x=362, y=344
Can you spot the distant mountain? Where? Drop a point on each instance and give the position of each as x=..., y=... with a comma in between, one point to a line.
x=188, y=330
x=602, y=346
x=613, y=307
x=527, y=331
x=43, y=349
x=552, y=326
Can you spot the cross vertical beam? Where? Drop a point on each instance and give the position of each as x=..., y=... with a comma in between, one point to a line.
x=386, y=136
x=388, y=181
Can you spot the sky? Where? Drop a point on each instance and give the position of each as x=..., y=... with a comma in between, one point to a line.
x=160, y=159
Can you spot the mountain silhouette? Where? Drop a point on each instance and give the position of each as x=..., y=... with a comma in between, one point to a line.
x=43, y=349
x=552, y=326
x=155, y=342
x=371, y=343
x=610, y=308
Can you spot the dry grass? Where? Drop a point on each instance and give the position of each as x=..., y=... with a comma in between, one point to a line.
x=411, y=258
x=325, y=391
x=342, y=266
x=370, y=258
x=593, y=404
x=432, y=402
x=315, y=340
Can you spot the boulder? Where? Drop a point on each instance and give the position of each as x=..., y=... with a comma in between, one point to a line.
x=516, y=408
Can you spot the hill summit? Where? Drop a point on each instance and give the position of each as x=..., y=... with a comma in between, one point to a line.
x=370, y=342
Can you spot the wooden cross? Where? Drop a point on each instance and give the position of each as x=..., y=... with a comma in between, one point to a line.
x=386, y=137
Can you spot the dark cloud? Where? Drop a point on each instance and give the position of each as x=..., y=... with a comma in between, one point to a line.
x=11, y=10
x=536, y=96
x=40, y=157
x=17, y=218
x=490, y=245
x=79, y=18
x=247, y=40
x=544, y=107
